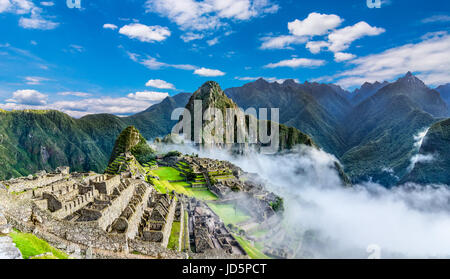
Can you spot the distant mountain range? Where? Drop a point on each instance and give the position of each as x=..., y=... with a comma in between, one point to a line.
x=36, y=140
x=370, y=130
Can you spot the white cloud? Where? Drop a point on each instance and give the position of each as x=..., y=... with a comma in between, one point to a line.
x=153, y=64
x=4, y=5
x=148, y=96
x=314, y=25
x=34, y=80
x=342, y=38
x=133, y=103
x=16, y=6
x=281, y=42
x=208, y=72
x=37, y=23
x=190, y=36
x=324, y=25
x=209, y=14
x=74, y=93
x=296, y=62
x=145, y=33
x=269, y=79
x=316, y=46
x=429, y=59
x=36, y=20
x=76, y=48
x=212, y=42
x=110, y=26
x=28, y=97
x=437, y=18
x=342, y=56
x=47, y=3
x=160, y=84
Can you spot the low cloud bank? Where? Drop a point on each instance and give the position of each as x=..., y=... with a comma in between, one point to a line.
x=406, y=221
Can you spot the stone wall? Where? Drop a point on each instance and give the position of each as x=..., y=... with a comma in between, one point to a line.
x=62, y=186
x=105, y=184
x=168, y=225
x=135, y=219
x=118, y=205
x=24, y=184
x=78, y=203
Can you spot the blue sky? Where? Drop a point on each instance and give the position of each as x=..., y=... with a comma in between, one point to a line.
x=122, y=56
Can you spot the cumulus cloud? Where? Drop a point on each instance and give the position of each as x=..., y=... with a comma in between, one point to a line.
x=28, y=97
x=296, y=62
x=160, y=84
x=281, y=42
x=110, y=26
x=37, y=23
x=16, y=6
x=314, y=24
x=204, y=72
x=428, y=58
x=324, y=26
x=35, y=19
x=316, y=46
x=342, y=56
x=342, y=38
x=209, y=14
x=144, y=33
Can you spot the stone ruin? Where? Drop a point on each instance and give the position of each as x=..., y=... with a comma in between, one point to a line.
x=208, y=232
x=117, y=213
x=126, y=211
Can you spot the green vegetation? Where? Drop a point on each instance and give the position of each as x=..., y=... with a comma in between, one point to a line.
x=174, y=236
x=168, y=173
x=28, y=137
x=131, y=140
x=252, y=251
x=173, y=154
x=278, y=205
x=29, y=245
x=228, y=213
x=163, y=185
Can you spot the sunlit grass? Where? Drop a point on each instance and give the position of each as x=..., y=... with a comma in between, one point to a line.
x=29, y=245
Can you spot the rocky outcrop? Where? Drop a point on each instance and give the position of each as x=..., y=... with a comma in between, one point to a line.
x=211, y=97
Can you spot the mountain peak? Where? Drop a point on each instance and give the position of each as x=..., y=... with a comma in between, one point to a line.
x=289, y=82
x=130, y=140
x=411, y=79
